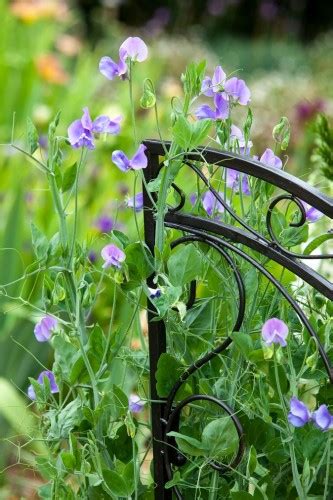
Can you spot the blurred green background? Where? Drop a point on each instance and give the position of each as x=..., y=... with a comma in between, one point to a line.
x=49, y=54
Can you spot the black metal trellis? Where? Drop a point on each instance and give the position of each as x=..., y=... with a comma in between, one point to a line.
x=223, y=238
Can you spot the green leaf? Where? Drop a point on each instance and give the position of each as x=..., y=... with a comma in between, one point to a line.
x=168, y=371
x=316, y=242
x=251, y=461
x=220, y=438
x=120, y=401
x=68, y=460
x=188, y=444
x=168, y=299
x=184, y=265
x=190, y=135
x=244, y=343
x=128, y=475
x=148, y=99
x=40, y=243
x=182, y=133
x=241, y=495
x=139, y=261
x=115, y=483
x=69, y=177
x=32, y=137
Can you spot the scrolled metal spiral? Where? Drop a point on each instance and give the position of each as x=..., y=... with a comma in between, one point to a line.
x=299, y=223
x=171, y=412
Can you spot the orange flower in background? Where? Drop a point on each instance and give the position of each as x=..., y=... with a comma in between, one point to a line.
x=51, y=70
x=30, y=11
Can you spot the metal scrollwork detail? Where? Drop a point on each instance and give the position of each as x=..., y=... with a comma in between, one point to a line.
x=231, y=242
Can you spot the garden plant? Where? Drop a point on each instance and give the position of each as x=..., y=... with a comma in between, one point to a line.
x=262, y=427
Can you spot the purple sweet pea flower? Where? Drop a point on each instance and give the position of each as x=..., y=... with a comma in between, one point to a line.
x=53, y=385
x=80, y=132
x=211, y=85
x=112, y=256
x=237, y=90
x=103, y=125
x=322, y=418
x=43, y=329
x=133, y=48
x=154, y=293
x=234, y=181
x=135, y=202
x=269, y=158
x=275, y=331
x=105, y=224
x=221, y=111
x=137, y=162
x=299, y=414
x=110, y=69
x=211, y=204
x=135, y=403
x=311, y=213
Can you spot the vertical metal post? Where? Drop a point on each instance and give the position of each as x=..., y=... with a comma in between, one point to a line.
x=157, y=345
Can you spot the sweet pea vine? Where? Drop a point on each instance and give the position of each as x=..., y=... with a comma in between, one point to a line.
x=97, y=427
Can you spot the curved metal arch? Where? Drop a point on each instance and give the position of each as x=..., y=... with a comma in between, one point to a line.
x=272, y=279
x=268, y=249
x=165, y=414
x=274, y=176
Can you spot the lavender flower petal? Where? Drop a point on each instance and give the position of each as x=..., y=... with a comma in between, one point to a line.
x=311, y=213
x=112, y=256
x=322, y=418
x=205, y=111
x=139, y=160
x=135, y=202
x=53, y=385
x=133, y=48
x=211, y=204
x=109, y=68
x=238, y=91
x=222, y=107
x=121, y=160
x=275, y=331
x=299, y=414
x=135, y=403
x=104, y=125
x=269, y=158
x=43, y=329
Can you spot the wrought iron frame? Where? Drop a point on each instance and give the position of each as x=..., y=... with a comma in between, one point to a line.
x=223, y=238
